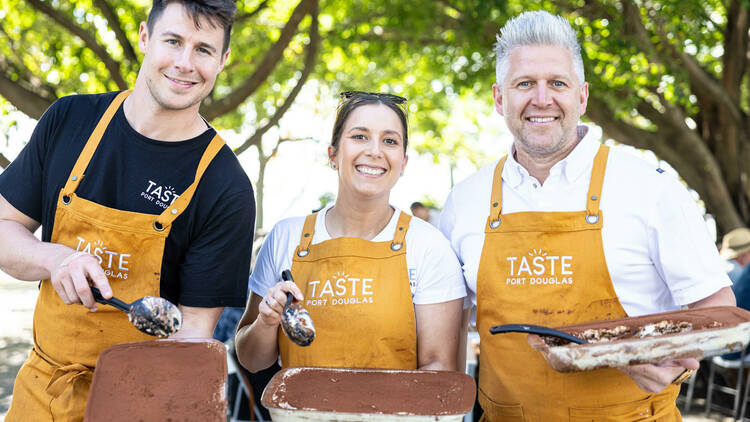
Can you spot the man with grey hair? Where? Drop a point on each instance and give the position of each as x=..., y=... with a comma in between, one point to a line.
x=565, y=230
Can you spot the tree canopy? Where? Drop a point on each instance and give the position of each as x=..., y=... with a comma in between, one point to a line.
x=671, y=77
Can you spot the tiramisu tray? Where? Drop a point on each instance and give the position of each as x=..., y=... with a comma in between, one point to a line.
x=696, y=333
x=353, y=395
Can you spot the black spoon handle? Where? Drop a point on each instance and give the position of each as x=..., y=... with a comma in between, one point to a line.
x=286, y=275
x=117, y=303
x=536, y=329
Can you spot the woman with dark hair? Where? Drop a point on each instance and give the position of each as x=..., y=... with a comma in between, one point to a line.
x=384, y=290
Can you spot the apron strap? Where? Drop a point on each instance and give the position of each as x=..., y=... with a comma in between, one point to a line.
x=65, y=377
x=82, y=163
x=180, y=204
x=496, y=204
x=308, y=230
x=401, y=228
x=593, y=198
x=595, y=185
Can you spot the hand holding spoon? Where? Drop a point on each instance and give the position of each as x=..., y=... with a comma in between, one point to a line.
x=154, y=316
x=295, y=320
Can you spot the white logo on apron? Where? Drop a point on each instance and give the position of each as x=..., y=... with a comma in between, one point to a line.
x=341, y=289
x=539, y=268
x=115, y=264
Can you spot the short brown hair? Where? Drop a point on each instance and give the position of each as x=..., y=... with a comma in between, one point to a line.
x=218, y=12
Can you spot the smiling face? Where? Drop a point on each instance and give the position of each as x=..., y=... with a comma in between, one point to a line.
x=181, y=61
x=370, y=156
x=541, y=100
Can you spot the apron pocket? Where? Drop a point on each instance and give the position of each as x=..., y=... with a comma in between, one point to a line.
x=497, y=412
x=640, y=410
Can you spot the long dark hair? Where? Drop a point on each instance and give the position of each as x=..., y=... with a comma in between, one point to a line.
x=353, y=99
x=219, y=12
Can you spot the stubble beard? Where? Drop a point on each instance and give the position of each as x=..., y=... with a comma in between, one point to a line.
x=546, y=150
x=153, y=89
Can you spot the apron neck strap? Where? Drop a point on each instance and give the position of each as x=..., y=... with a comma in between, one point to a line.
x=308, y=230
x=180, y=204
x=496, y=204
x=79, y=169
x=593, y=198
x=595, y=184
x=401, y=228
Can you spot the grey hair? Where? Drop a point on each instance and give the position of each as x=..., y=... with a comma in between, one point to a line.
x=536, y=28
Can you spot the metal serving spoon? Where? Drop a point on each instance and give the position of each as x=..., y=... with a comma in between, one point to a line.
x=154, y=316
x=536, y=329
x=295, y=320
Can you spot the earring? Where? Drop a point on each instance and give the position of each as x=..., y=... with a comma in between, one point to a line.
x=333, y=166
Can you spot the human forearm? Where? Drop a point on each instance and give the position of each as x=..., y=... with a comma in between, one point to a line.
x=438, y=331
x=25, y=257
x=257, y=345
x=462, y=339
x=198, y=322
x=256, y=341
x=722, y=297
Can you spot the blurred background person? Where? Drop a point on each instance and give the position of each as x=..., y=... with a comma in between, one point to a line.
x=735, y=249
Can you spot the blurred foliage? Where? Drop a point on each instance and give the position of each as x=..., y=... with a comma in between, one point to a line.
x=664, y=75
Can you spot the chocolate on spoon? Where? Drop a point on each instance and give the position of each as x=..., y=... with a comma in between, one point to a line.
x=295, y=320
x=154, y=316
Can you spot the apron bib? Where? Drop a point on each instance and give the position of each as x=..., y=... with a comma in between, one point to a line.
x=357, y=293
x=54, y=382
x=548, y=268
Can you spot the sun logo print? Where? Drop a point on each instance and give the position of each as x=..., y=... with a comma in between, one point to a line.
x=537, y=252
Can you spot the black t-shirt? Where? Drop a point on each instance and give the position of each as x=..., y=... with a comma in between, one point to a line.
x=206, y=259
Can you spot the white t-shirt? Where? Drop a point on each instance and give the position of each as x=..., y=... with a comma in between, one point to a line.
x=656, y=244
x=433, y=269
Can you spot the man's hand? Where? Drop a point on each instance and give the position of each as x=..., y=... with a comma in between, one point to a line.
x=25, y=257
x=71, y=276
x=655, y=378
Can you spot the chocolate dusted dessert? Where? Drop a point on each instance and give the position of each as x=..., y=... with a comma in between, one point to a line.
x=621, y=332
x=691, y=333
x=393, y=394
x=160, y=380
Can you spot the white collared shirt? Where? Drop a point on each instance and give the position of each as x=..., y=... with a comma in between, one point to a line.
x=656, y=243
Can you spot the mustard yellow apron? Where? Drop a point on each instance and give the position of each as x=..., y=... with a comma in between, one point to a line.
x=548, y=268
x=357, y=293
x=53, y=383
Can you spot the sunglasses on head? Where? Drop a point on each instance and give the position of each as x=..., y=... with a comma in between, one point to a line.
x=390, y=97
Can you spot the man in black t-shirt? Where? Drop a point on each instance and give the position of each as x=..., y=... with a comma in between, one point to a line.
x=137, y=195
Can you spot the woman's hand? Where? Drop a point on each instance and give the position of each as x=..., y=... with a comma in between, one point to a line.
x=256, y=340
x=272, y=305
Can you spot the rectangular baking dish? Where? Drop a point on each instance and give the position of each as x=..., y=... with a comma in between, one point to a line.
x=347, y=394
x=715, y=331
